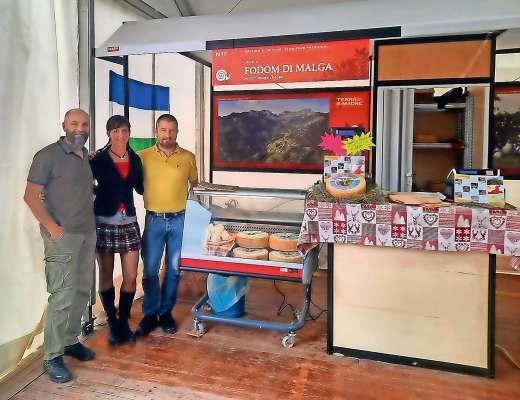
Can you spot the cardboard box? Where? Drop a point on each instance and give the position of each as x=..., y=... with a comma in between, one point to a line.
x=478, y=186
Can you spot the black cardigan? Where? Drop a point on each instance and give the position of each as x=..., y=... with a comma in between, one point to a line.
x=112, y=189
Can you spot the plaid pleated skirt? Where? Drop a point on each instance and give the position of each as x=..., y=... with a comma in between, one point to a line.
x=118, y=238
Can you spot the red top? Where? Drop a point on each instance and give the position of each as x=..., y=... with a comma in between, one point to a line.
x=123, y=168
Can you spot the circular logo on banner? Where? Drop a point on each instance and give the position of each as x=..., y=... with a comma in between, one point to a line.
x=222, y=75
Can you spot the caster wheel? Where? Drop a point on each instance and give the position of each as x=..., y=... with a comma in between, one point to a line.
x=288, y=341
x=199, y=328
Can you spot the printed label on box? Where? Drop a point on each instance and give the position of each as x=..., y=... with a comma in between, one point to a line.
x=333, y=165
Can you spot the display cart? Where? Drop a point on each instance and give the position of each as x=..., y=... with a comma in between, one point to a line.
x=267, y=210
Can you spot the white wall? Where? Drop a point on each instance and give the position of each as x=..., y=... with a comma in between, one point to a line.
x=109, y=15
x=507, y=67
x=178, y=73
x=513, y=192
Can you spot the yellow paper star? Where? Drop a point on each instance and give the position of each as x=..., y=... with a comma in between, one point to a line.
x=358, y=143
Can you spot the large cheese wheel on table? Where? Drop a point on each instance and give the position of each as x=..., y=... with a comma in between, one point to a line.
x=286, y=256
x=253, y=254
x=284, y=241
x=252, y=239
x=346, y=185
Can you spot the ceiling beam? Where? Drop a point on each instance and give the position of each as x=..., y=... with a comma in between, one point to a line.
x=145, y=8
x=184, y=8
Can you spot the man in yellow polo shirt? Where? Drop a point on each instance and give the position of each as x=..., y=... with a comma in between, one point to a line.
x=167, y=169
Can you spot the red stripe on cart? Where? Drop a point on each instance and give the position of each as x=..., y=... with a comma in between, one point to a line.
x=222, y=266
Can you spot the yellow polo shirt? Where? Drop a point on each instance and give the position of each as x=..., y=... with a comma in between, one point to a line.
x=166, y=178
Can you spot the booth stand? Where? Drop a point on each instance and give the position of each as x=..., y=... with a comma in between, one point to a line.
x=401, y=304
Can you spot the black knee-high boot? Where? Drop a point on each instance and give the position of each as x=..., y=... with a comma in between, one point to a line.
x=125, y=304
x=108, y=299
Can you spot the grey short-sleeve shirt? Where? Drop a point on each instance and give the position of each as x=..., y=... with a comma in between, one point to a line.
x=68, y=186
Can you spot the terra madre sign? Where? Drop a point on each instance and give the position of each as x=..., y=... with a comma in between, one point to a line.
x=307, y=62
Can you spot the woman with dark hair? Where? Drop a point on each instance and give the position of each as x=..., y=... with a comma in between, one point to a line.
x=118, y=171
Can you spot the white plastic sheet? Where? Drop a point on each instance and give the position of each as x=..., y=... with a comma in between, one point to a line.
x=39, y=82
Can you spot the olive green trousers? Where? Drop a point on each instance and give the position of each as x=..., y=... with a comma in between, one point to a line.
x=69, y=270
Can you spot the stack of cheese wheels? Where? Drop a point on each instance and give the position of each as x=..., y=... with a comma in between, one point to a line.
x=252, y=244
x=346, y=185
x=283, y=247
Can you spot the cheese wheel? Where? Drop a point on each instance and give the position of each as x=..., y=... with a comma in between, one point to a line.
x=254, y=254
x=346, y=185
x=286, y=256
x=285, y=241
x=252, y=239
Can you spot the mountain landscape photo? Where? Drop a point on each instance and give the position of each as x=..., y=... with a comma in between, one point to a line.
x=272, y=131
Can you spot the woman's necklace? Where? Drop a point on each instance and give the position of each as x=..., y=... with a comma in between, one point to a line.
x=117, y=155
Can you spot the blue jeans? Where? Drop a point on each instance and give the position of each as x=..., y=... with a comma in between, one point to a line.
x=158, y=232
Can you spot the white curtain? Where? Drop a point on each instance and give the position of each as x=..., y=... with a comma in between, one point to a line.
x=38, y=83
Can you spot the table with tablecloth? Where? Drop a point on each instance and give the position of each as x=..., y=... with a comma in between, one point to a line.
x=453, y=228
x=412, y=284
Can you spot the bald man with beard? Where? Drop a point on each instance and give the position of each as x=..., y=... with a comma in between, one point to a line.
x=60, y=174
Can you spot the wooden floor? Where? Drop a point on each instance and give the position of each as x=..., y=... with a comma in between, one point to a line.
x=238, y=363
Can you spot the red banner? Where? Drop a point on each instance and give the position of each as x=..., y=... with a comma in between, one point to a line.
x=307, y=62
x=349, y=109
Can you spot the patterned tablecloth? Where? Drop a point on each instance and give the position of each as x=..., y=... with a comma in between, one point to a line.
x=453, y=228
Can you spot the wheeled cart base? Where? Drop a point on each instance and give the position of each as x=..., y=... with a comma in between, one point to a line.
x=200, y=316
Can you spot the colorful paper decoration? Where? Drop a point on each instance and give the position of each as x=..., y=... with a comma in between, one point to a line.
x=358, y=143
x=332, y=143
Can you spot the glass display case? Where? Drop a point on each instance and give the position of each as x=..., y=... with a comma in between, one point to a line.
x=266, y=213
x=243, y=209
